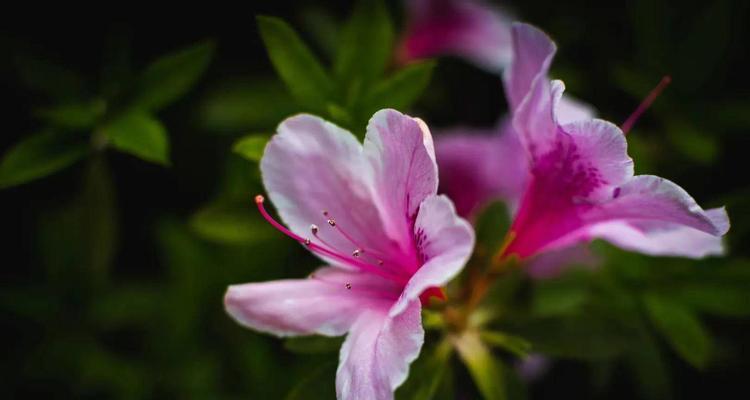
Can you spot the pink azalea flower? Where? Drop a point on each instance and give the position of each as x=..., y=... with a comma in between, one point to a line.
x=470, y=29
x=581, y=183
x=372, y=214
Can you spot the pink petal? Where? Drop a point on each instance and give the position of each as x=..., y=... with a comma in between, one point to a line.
x=328, y=303
x=648, y=198
x=571, y=110
x=477, y=166
x=444, y=242
x=533, y=52
x=375, y=357
x=400, y=152
x=310, y=166
x=670, y=240
x=471, y=29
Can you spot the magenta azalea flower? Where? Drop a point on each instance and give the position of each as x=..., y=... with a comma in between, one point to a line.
x=466, y=28
x=373, y=215
x=581, y=183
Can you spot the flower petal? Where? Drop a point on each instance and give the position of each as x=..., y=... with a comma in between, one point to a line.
x=533, y=52
x=310, y=166
x=328, y=303
x=552, y=263
x=445, y=242
x=670, y=240
x=474, y=30
x=477, y=166
x=400, y=153
x=648, y=198
x=375, y=357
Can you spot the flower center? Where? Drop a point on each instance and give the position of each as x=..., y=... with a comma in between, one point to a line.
x=364, y=259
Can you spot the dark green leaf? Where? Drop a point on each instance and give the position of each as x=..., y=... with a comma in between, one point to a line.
x=76, y=115
x=492, y=227
x=366, y=43
x=294, y=62
x=426, y=374
x=251, y=147
x=314, y=344
x=680, y=327
x=724, y=300
x=514, y=344
x=141, y=135
x=650, y=369
x=40, y=155
x=235, y=224
x=171, y=76
x=486, y=371
x=401, y=89
x=318, y=385
x=245, y=105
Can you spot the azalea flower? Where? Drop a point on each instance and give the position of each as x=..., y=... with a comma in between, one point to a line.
x=471, y=29
x=372, y=214
x=581, y=184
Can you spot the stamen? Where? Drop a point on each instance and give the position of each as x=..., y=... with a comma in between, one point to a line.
x=374, y=255
x=348, y=286
x=259, y=199
x=645, y=104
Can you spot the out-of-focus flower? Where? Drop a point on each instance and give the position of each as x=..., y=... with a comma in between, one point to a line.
x=581, y=183
x=373, y=215
x=470, y=29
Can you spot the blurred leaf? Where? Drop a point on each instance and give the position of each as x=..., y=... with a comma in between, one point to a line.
x=680, y=327
x=126, y=305
x=426, y=374
x=699, y=146
x=241, y=105
x=401, y=89
x=233, y=224
x=486, y=371
x=314, y=344
x=318, y=385
x=251, y=146
x=514, y=344
x=100, y=216
x=492, y=226
x=651, y=370
x=39, y=155
x=294, y=62
x=721, y=300
x=562, y=296
x=366, y=43
x=76, y=115
x=45, y=76
x=141, y=135
x=171, y=76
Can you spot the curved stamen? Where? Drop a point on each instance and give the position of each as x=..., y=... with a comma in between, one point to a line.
x=259, y=199
x=645, y=104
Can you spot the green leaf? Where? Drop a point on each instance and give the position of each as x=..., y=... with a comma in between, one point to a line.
x=681, y=328
x=486, y=371
x=651, y=370
x=229, y=223
x=402, y=88
x=514, y=344
x=492, y=227
x=318, y=385
x=241, y=105
x=366, y=43
x=302, y=73
x=141, y=135
x=722, y=300
x=39, y=155
x=171, y=76
x=427, y=373
x=251, y=147
x=313, y=344
x=75, y=115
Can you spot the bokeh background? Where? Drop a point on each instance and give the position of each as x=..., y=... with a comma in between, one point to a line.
x=113, y=269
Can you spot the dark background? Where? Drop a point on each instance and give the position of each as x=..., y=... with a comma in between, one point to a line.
x=189, y=348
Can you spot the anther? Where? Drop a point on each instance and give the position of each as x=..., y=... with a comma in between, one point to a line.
x=307, y=241
x=259, y=199
x=348, y=286
x=380, y=263
x=331, y=222
x=314, y=229
x=356, y=253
